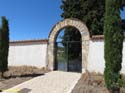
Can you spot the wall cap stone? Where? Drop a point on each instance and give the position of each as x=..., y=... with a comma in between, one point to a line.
x=30, y=41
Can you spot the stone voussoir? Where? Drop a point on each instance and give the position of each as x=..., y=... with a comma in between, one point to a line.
x=85, y=40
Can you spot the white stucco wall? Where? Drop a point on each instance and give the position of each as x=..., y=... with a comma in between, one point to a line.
x=96, y=57
x=123, y=60
x=32, y=54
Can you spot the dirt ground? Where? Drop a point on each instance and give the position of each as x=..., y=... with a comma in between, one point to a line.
x=92, y=83
x=20, y=74
x=88, y=83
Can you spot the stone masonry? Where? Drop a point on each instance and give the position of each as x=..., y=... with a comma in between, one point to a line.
x=72, y=22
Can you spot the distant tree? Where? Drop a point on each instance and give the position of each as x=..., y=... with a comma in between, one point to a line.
x=72, y=44
x=90, y=12
x=122, y=4
x=93, y=15
x=4, y=45
x=70, y=10
x=113, y=45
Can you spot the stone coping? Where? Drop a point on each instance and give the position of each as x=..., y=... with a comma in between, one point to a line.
x=95, y=37
x=30, y=41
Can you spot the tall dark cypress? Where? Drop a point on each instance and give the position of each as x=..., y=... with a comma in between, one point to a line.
x=1, y=52
x=113, y=45
x=4, y=37
x=5, y=27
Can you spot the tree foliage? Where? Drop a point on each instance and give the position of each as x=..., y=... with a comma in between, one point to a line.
x=113, y=44
x=90, y=12
x=1, y=51
x=70, y=10
x=4, y=45
x=122, y=4
x=93, y=15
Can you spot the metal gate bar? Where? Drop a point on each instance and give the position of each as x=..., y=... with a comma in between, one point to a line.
x=66, y=55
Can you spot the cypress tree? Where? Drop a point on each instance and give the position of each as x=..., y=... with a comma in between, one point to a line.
x=4, y=45
x=1, y=52
x=113, y=45
x=5, y=28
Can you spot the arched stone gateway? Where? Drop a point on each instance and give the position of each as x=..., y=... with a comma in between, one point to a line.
x=72, y=22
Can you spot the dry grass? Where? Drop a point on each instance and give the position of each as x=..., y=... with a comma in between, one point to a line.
x=19, y=74
x=93, y=79
x=19, y=71
x=92, y=83
x=123, y=81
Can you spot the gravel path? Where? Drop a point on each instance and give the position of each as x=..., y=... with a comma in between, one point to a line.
x=52, y=82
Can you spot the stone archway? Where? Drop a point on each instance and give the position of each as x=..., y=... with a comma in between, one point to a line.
x=53, y=34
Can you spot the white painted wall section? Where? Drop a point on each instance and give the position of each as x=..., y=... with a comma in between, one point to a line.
x=32, y=54
x=123, y=60
x=96, y=62
x=96, y=56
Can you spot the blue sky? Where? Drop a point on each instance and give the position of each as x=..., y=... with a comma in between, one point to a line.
x=31, y=19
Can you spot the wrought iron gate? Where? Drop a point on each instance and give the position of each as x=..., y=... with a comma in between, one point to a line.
x=68, y=58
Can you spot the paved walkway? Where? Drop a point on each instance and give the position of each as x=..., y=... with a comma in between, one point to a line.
x=52, y=82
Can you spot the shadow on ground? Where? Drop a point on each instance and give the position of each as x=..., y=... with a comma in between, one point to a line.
x=25, y=90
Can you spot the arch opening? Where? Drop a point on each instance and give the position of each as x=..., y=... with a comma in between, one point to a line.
x=82, y=29
x=68, y=55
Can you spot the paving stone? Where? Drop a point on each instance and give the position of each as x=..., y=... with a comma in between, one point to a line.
x=52, y=82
